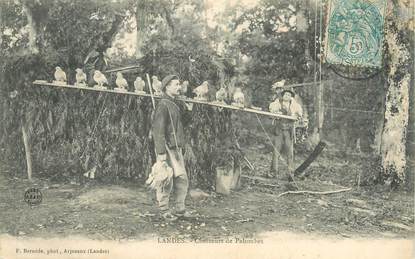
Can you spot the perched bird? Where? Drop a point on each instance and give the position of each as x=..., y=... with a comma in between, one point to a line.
x=139, y=85
x=183, y=90
x=201, y=91
x=221, y=95
x=80, y=77
x=100, y=78
x=160, y=176
x=239, y=97
x=278, y=84
x=60, y=75
x=121, y=82
x=91, y=173
x=275, y=106
x=156, y=85
x=191, y=59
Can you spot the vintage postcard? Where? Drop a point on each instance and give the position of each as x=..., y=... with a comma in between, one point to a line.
x=207, y=129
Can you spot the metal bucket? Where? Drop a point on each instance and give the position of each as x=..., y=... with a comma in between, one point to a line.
x=227, y=179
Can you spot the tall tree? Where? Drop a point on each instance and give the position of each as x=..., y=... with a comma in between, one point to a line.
x=395, y=129
x=55, y=36
x=274, y=47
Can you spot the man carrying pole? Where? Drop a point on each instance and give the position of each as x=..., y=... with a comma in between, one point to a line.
x=169, y=141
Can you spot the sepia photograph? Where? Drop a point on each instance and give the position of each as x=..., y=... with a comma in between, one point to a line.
x=207, y=129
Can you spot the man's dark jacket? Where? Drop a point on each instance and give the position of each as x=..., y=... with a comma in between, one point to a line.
x=162, y=126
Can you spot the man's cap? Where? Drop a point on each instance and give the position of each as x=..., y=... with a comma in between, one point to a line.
x=288, y=91
x=167, y=80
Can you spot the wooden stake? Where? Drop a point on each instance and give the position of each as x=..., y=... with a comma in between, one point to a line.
x=27, y=152
x=319, y=106
x=150, y=88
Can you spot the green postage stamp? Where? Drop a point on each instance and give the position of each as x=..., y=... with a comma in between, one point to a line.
x=354, y=32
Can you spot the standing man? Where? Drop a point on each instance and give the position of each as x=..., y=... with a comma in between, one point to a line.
x=278, y=87
x=283, y=131
x=169, y=141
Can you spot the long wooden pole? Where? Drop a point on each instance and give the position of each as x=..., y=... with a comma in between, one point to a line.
x=320, y=104
x=121, y=69
x=265, y=113
x=150, y=87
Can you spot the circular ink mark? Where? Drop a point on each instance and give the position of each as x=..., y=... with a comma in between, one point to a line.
x=33, y=196
x=355, y=32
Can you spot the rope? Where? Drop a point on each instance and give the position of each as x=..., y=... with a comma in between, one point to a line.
x=92, y=135
x=267, y=135
x=353, y=110
x=275, y=149
x=174, y=131
x=320, y=59
x=315, y=43
x=346, y=109
x=375, y=73
x=320, y=38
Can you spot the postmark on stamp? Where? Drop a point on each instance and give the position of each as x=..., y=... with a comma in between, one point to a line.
x=354, y=32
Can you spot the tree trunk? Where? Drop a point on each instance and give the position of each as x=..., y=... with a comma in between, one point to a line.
x=1, y=23
x=318, y=114
x=33, y=48
x=27, y=152
x=410, y=153
x=141, y=18
x=410, y=148
x=377, y=141
x=393, y=147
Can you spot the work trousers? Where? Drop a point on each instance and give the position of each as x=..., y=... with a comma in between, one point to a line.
x=283, y=144
x=179, y=184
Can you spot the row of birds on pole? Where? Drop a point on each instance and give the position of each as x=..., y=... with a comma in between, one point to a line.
x=100, y=79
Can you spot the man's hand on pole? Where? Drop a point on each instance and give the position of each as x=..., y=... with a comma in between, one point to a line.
x=161, y=157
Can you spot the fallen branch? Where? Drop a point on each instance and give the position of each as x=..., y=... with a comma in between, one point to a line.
x=314, y=192
x=316, y=152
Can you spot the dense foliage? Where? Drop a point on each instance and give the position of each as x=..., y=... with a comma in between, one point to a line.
x=72, y=131
x=283, y=40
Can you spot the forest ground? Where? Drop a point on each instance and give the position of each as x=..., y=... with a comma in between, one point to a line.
x=126, y=211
